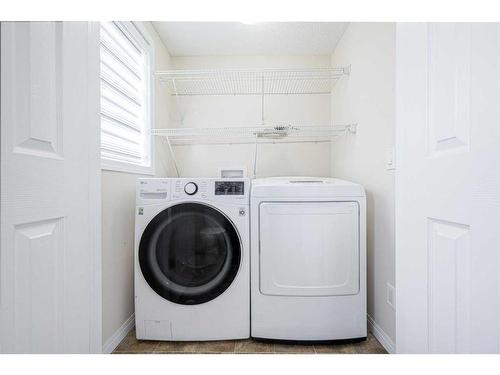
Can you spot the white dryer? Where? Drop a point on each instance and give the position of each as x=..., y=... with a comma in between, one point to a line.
x=192, y=259
x=308, y=259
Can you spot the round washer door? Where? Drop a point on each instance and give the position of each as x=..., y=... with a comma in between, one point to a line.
x=190, y=253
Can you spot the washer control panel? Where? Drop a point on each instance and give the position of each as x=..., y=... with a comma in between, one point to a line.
x=196, y=188
x=229, y=188
x=153, y=190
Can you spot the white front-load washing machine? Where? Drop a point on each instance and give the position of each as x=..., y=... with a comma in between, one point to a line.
x=308, y=259
x=192, y=259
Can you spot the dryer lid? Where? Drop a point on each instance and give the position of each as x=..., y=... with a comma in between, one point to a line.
x=319, y=187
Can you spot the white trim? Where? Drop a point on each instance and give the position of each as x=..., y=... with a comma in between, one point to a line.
x=381, y=336
x=143, y=31
x=95, y=206
x=117, y=166
x=117, y=337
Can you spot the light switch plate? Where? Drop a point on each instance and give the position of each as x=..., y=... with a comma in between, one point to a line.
x=390, y=159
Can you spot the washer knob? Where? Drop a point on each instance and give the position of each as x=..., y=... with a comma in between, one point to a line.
x=190, y=188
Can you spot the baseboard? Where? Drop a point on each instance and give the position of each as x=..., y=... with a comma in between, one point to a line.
x=381, y=336
x=119, y=335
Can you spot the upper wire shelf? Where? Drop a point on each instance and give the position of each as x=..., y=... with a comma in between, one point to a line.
x=252, y=81
x=254, y=134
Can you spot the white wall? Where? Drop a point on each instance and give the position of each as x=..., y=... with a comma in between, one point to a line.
x=216, y=111
x=368, y=98
x=118, y=215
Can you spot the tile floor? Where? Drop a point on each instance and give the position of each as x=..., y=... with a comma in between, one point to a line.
x=130, y=345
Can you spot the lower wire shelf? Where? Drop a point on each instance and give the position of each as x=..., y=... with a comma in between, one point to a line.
x=254, y=134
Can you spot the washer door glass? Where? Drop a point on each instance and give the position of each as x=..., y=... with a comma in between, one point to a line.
x=190, y=253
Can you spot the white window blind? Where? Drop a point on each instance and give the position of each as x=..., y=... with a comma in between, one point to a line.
x=125, y=98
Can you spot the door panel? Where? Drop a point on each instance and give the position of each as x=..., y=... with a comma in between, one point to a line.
x=39, y=285
x=38, y=88
x=449, y=80
x=50, y=248
x=309, y=248
x=448, y=188
x=448, y=286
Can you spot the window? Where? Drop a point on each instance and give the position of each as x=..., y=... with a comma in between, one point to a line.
x=126, y=98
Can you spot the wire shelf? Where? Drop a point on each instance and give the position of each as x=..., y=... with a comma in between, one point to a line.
x=251, y=81
x=255, y=134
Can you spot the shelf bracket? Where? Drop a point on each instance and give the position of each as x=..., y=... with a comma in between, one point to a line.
x=351, y=128
x=172, y=155
x=178, y=104
x=262, y=120
x=255, y=157
x=262, y=101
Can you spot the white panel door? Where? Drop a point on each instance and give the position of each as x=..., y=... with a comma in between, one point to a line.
x=50, y=181
x=309, y=248
x=448, y=188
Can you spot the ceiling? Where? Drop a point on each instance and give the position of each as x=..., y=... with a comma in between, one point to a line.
x=234, y=38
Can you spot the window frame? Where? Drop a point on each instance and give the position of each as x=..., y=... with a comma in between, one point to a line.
x=140, y=35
